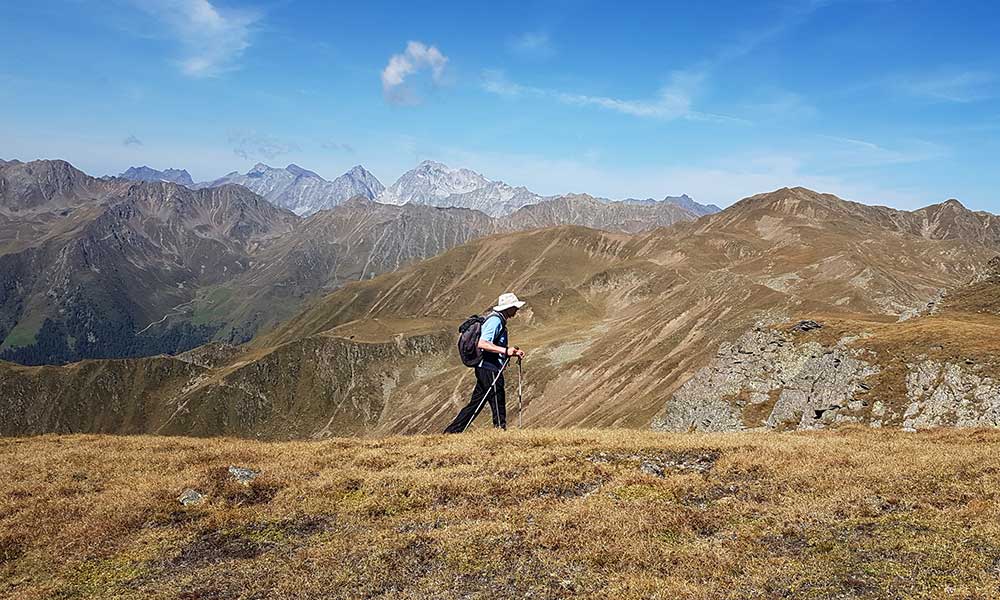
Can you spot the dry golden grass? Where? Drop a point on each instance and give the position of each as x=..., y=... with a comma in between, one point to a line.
x=542, y=514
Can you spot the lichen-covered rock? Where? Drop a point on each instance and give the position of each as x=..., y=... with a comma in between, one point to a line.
x=823, y=390
x=243, y=475
x=946, y=394
x=766, y=379
x=191, y=497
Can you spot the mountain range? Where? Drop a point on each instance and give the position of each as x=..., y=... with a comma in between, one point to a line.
x=111, y=267
x=144, y=173
x=787, y=310
x=301, y=191
x=684, y=201
x=429, y=183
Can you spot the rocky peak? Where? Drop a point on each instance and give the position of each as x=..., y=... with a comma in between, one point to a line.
x=435, y=184
x=40, y=182
x=144, y=173
x=300, y=190
x=432, y=165
x=298, y=171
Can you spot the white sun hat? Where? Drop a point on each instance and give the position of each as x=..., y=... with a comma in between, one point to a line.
x=506, y=301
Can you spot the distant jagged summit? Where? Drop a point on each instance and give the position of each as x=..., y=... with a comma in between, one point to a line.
x=144, y=173
x=435, y=184
x=684, y=201
x=302, y=191
x=598, y=213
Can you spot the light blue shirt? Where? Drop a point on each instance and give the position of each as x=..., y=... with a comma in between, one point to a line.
x=495, y=331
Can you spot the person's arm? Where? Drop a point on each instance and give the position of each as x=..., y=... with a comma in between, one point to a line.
x=488, y=333
x=491, y=347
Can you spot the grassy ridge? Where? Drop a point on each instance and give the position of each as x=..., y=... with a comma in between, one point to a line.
x=848, y=514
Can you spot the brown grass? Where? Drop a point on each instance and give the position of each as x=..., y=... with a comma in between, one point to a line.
x=541, y=514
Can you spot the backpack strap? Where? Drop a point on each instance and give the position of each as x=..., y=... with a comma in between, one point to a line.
x=503, y=321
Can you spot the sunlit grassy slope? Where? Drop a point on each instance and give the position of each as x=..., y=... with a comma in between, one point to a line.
x=542, y=514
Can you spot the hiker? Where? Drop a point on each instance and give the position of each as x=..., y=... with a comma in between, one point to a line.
x=489, y=370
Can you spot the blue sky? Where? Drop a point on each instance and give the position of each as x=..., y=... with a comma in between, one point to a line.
x=884, y=102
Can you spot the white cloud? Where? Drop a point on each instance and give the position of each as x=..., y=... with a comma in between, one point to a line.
x=416, y=57
x=531, y=44
x=211, y=39
x=949, y=85
x=673, y=101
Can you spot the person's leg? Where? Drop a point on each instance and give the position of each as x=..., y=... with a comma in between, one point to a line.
x=498, y=405
x=468, y=412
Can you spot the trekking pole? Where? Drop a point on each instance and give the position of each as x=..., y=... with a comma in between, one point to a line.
x=493, y=388
x=520, y=406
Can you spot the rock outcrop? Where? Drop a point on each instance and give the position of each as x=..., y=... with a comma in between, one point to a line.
x=764, y=379
x=948, y=394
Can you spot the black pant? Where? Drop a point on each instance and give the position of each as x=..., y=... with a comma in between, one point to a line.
x=495, y=396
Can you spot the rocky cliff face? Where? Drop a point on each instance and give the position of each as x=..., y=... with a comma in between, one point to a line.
x=942, y=394
x=771, y=379
x=765, y=379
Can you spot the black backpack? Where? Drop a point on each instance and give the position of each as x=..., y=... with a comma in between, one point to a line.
x=468, y=339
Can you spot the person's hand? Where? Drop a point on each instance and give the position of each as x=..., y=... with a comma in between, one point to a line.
x=517, y=352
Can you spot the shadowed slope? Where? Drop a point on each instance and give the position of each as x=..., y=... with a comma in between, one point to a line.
x=112, y=257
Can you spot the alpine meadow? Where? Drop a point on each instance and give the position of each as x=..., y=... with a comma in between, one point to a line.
x=570, y=299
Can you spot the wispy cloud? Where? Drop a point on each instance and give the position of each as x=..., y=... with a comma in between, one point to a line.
x=417, y=56
x=251, y=145
x=948, y=85
x=337, y=146
x=212, y=40
x=781, y=105
x=531, y=44
x=791, y=15
x=131, y=140
x=851, y=153
x=673, y=101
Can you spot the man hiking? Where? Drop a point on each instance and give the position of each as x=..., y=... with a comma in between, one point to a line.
x=489, y=370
